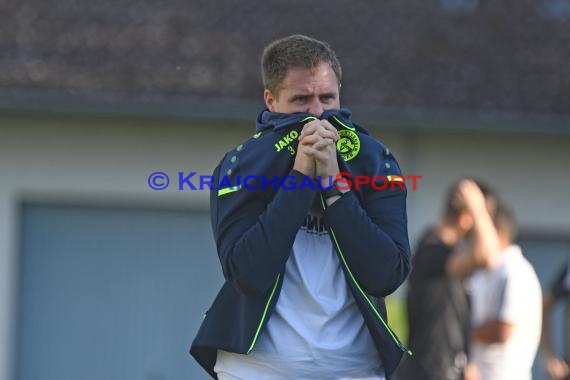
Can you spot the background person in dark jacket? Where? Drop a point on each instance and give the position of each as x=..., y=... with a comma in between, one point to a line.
x=557, y=365
x=306, y=270
x=438, y=309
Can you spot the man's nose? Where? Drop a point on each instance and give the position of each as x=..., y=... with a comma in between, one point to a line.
x=316, y=108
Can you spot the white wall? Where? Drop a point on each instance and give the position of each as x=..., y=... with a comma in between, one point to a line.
x=108, y=162
x=531, y=173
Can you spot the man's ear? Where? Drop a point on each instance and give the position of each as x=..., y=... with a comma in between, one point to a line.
x=269, y=100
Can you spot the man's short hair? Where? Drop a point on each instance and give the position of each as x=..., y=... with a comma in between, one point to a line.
x=295, y=51
x=505, y=221
x=454, y=205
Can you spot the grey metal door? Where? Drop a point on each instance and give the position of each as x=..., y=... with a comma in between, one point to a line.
x=548, y=257
x=109, y=294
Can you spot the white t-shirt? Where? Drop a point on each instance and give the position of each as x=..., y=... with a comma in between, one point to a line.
x=316, y=330
x=510, y=293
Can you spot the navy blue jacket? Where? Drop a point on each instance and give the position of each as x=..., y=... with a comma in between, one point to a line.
x=255, y=224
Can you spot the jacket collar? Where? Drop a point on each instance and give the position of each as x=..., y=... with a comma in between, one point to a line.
x=338, y=117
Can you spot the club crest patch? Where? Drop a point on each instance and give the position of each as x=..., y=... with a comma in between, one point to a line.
x=348, y=145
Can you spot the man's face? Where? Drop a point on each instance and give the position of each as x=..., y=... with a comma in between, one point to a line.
x=305, y=90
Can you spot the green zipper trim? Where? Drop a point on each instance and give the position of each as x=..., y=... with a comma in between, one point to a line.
x=344, y=125
x=309, y=118
x=228, y=190
x=394, y=337
x=264, y=314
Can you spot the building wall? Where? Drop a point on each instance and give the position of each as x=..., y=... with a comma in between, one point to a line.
x=107, y=162
x=100, y=162
x=530, y=172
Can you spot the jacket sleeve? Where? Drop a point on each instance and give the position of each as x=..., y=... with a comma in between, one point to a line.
x=372, y=236
x=254, y=237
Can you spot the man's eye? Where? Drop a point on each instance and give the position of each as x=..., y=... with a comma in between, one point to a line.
x=327, y=99
x=300, y=99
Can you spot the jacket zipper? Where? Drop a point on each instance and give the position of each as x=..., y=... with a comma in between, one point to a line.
x=264, y=315
x=366, y=297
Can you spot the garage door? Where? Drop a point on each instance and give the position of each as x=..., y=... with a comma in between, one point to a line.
x=112, y=294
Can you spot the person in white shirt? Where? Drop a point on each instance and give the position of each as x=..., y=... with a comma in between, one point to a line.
x=506, y=310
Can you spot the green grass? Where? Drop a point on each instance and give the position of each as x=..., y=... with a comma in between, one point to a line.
x=398, y=316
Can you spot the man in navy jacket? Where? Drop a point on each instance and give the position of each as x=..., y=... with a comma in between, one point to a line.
x=306, y=269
